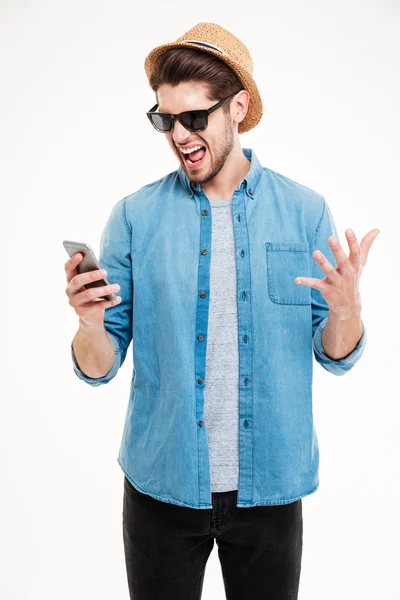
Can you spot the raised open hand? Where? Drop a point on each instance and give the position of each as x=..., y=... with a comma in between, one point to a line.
x=340, y=288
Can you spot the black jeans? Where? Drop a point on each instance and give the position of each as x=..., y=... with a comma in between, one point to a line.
x=167, y=547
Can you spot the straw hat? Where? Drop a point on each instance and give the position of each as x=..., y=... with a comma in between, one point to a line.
x=214, y=39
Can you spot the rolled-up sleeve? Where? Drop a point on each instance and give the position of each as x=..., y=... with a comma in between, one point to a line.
x=343, y=365
x=95, y=381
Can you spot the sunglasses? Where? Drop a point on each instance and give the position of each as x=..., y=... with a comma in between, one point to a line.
x=193, y=120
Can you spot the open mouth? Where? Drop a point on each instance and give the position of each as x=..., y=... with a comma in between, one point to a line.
x=196, y=158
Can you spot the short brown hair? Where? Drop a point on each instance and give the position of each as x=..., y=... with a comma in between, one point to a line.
x=180, y=65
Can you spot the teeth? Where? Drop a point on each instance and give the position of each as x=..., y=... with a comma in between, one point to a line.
x=188, y=150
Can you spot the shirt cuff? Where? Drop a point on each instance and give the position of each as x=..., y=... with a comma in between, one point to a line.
x=95, y=381
x=341, y=365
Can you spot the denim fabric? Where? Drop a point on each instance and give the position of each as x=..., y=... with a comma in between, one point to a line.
x=167, y=547
x=157, y=245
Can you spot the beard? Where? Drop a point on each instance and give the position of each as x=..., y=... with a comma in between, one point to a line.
x=219, y=159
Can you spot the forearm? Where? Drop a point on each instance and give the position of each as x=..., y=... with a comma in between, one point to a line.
x=341, y=335
x=94, y=350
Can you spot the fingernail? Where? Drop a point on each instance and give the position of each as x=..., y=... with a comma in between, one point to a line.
x=350, y=232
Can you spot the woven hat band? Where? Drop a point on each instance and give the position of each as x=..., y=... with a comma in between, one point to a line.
x=205, y=45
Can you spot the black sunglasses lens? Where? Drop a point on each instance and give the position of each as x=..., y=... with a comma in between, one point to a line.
x=195, y=120
x=161, y=122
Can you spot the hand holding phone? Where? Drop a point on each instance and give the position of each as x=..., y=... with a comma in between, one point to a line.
x=86, y=286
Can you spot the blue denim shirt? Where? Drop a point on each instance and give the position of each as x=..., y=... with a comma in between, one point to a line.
x=157, y=245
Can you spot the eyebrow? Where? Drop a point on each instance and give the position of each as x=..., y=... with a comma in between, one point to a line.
x=161, y=110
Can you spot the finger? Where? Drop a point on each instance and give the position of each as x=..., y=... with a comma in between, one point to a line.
x=366, y=244
x=80, y=279
x=100, y=303
x=92, y=294
x=355, y=251
x=311, y=282
x=71, y=265
x=338, y=252
x=83, y=309
x=324, y=263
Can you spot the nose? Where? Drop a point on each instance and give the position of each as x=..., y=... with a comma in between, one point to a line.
x=180, y=134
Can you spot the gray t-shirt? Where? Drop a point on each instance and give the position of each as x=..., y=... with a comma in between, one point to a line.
x=221, y=394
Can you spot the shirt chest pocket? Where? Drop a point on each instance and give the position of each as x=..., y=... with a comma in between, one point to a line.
x=286, y=261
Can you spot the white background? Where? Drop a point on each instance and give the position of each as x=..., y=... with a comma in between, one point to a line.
x=74, y=140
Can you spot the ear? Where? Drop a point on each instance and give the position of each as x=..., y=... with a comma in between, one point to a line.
x=240, y=105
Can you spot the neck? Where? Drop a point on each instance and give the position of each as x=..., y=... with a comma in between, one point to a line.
x=225, y=183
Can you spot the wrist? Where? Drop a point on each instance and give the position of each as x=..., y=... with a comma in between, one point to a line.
x=352, y=313
x=87, y=327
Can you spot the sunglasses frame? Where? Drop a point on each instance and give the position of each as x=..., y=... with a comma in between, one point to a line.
x=205, y=111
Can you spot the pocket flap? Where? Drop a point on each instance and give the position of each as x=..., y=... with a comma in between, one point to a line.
x=289, y=246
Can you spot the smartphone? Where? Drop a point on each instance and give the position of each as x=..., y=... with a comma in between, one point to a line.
x=89, y=262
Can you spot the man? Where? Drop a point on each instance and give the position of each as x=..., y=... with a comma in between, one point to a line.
x=219, y=264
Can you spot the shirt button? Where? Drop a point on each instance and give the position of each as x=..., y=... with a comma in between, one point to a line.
x=201, y=423
x=204, y=251
x=242, y=253
x=200, y=338
x=204, y=213
x=202, y=294
x=251, y=192
x=200, y=381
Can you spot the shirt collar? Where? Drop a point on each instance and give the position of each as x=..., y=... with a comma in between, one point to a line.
x=250, y=181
